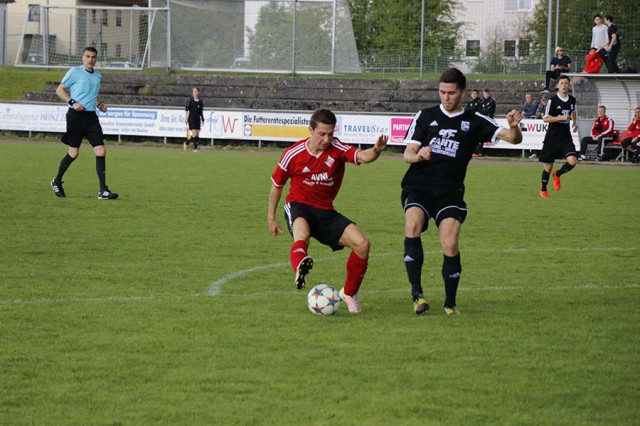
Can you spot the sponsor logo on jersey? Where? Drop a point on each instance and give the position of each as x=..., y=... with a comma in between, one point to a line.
x=320, y=177
x=329, y=161
x=445, y=145
x=464, y=126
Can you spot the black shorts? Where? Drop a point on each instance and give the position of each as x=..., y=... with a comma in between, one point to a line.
x=194, y=123
x=553, y=150
x=436, y=204
x=82, y=124
x=327, y=226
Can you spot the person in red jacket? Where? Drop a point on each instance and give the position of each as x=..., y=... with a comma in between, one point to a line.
x=601, y=131
x=594, y=61
x=631, y=137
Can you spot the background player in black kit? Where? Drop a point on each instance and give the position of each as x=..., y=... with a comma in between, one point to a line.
x=561, y=109
x=440, y=142
x=193, y=116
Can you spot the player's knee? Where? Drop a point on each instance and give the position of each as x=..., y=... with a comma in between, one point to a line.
x=100, y=151
x=572, y=161
x=412, y=228
x=363, y=247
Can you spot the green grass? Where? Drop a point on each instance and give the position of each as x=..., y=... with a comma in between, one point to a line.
x=104, y=317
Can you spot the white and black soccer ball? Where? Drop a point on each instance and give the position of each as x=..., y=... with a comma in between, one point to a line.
x=323, y=300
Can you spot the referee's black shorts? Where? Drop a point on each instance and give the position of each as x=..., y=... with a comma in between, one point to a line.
x=327, y=226
x=80, y=125
x=194, y=122
x=436, y=204
x=556, y=149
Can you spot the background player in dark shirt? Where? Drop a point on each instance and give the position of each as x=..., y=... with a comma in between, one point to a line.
x=486, y=107
x=440, y=142
x=561, y=110
x=193, y=116
x=79, y=88
x=560, y=64
x=475, y=101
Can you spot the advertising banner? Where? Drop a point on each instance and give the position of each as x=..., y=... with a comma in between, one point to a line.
x=286, y=126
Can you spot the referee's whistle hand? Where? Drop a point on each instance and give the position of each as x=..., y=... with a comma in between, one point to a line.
x=78, y=107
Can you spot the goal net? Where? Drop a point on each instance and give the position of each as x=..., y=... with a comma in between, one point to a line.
x=284, y=36
x=55, y=36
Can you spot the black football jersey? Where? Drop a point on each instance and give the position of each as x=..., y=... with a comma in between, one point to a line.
x=555, y=108
x=195, y=108
x=452, y=138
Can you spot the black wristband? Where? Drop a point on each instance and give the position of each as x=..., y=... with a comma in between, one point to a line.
x=72, y=101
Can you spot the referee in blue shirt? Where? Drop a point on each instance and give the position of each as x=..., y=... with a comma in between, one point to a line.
x=79, y=88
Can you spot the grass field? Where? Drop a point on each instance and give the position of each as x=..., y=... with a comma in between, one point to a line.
x=106, y=315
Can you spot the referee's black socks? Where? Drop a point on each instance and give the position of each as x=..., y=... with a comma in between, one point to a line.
x=101, y=171
x=413, y=259
x=566, y=168
x=64, y=165
x=196, y=141
x=451, y=270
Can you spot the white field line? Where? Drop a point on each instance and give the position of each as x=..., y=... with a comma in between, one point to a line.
x=215, y=287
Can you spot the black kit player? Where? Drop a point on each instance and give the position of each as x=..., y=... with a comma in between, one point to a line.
x=79, y=88
x=439, y=146
x=316, y=166
x=560, y=112
x=193, y=116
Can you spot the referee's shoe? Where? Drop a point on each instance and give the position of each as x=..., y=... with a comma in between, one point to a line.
x=106, y=194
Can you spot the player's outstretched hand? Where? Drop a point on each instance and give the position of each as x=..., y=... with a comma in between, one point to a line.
x=381, y=143
x=274, y=228
x=424, y=153
x=514, y=117
x=102, y=108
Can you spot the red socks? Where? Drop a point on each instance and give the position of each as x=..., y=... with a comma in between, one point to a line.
x=297, y=253
x=356, y=268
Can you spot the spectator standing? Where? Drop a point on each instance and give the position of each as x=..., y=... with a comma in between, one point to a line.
x=599, y=33
x=487, y=107
x=560, y=64
x=193, y=116
x=631, y=137
x=613, y=48
x=593, y=61
x=475, y=101
x=602, y=129
x=530, y=106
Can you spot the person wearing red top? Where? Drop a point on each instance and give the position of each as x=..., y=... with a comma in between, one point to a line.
x=601, y=131
x=631, y=137
x=594, y=61
x=316, y=167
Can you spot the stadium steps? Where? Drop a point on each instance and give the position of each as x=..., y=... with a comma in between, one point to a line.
x=287, y=93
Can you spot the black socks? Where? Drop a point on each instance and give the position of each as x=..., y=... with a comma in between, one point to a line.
x=545, y=179
x=413, y=259
x=101, y=170
x=64, y=165
x=195, y=142
x=566, y=168
x=451, y=270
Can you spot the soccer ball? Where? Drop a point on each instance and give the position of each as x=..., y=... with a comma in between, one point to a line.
x=323, y=300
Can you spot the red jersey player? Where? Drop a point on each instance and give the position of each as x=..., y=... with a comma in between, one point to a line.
x=316, y=168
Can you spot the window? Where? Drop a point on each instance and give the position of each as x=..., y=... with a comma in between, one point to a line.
x=118, y=18
x=103, y=49
x=509, y=48
x=524, y=48
x=518, y=5
x=118, y=50
x=34, y=13
x=105, y=18
x=473, y=48
x=93, y=16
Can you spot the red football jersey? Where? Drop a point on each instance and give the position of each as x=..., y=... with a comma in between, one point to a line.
x=314, y=180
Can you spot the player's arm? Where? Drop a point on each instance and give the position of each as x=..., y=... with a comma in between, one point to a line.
x=415, y=153
x=513, y=134
x=63, y=93
x=574, y=121
x=370, y=155
x=551, y=119
x=186, y=112
x=274, y=198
